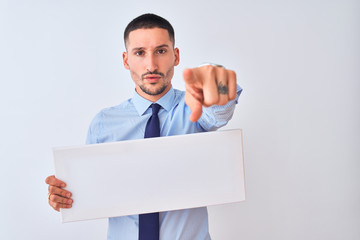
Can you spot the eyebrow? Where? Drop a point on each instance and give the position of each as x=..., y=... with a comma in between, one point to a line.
x=141, y=48
x=163, y=45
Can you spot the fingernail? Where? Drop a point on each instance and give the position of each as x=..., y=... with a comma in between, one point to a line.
x=69, y=201
x=68, y=195
x=63, y=185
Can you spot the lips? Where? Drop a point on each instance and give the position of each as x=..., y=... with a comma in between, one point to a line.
x=153, y=78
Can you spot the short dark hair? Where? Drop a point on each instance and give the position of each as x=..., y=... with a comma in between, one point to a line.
x=148, y=21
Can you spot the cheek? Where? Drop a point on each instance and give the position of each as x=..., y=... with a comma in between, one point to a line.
x=134, y=74
x=134, y=64
x=171, y=60
x=170, y=73
x=134, y=68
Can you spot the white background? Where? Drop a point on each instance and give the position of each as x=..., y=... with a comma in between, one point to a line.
x=299, y=65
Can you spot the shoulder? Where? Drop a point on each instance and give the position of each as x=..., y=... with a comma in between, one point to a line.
x=123, y=107
x=128, y=104
x=108, y=118
x=179, y=95
x=119, y=109
x=178, y=92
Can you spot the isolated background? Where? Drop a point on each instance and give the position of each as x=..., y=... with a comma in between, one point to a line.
x=298, y=62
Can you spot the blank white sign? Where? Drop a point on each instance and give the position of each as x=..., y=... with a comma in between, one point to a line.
x=152, y=175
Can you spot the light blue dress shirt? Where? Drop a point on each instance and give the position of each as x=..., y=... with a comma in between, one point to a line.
x=127, y=121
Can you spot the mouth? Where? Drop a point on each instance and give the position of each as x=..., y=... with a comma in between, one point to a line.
x=152, y=78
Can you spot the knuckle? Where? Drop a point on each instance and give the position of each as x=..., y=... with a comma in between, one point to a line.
x=66, y=194
x=61, y=192
x=64, y=200
x=211, y=101
x=232, y=74
x=53, y=190
x=54, y=198
x=222, y=71
x=56, y=190
x=58, y=199
x=232, y=83
x=209, y=69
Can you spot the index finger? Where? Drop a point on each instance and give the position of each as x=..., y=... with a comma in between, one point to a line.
x=203, y=78
x=53, y=181
x=189, y=76
x=195, y=106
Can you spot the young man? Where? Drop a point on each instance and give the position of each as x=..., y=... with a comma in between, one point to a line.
x=208, y=103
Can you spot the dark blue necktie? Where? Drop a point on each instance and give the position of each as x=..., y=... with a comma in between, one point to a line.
x=149, y=223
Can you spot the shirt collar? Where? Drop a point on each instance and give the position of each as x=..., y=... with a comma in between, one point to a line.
x=141, y=104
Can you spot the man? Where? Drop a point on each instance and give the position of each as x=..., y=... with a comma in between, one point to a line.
x=208, y=103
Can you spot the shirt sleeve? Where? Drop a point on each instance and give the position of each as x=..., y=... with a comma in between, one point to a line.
x=217, y=116
x=94, y=130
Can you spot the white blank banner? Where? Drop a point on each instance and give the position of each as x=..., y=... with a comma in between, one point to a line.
x=152, y=175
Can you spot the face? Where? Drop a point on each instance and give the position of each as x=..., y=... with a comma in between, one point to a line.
x=151, y=59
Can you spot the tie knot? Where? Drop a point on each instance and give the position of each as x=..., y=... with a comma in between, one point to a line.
x=155, y=108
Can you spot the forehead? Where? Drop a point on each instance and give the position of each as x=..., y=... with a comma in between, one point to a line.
x=147, y=38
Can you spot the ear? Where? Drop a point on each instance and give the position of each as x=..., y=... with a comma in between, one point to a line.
x=125, y=60
x=177, y=56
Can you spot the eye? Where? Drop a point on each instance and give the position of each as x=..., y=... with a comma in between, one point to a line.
x=161, y=51
x=139, y=53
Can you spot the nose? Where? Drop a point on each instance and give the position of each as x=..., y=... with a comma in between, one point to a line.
x=151, y=63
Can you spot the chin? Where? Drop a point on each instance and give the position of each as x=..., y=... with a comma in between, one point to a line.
x=153, y=91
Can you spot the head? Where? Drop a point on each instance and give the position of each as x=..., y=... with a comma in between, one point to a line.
x=150, y=55
x=149, y=21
